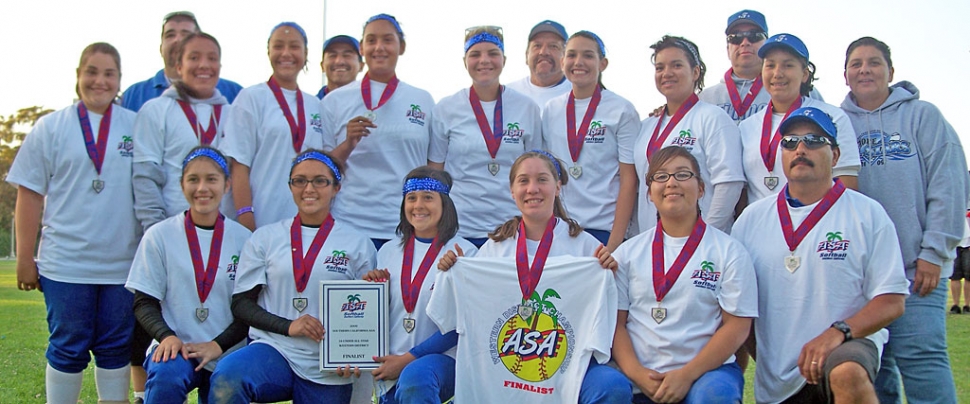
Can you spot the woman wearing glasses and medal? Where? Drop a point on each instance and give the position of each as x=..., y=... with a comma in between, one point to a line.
x=687, y=295
x=276, y=294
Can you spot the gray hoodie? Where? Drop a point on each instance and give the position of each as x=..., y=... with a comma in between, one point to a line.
x=913, y=164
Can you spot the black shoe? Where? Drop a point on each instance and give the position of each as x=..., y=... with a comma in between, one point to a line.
x=966, y=309
x=955, y=309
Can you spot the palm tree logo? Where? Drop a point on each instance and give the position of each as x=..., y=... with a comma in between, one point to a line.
x=833, y=236
x=339, y=254
x=513, y=126
x=415, y=108
x=126, y=139
x=595, y=125
x=707, y=266
x=545, y=305
x=354, y=298
x=685, y=133
x=235, y=260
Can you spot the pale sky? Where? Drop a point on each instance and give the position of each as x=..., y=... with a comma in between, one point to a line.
x=43, y=40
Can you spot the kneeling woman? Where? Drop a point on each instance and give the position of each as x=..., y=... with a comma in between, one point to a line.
x=679, y=324
x=422, y=360
x=273, y=295
x=193, y=327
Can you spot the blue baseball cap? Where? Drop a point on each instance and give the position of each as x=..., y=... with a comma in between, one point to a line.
x=349, y=40
x=811, y=115
x=788, y=41
x=549, y=26
x=746, y=16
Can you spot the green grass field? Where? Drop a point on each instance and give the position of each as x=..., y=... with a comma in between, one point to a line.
x=23, y=339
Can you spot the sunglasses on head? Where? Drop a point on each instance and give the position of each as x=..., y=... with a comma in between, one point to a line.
x=811, y=140
x=753, y=36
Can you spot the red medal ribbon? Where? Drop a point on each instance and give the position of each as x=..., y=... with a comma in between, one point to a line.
x=298, y=131
x=205, y=136
x=576, y=137
x=411, y=289
x=96, y=151
x=769, y=143
x=662, y=283
x=658, y=138
x=529, y=277
x=386, y=95
x=741, y=106
x=303, y=267
x=204, y=276
x=493, y=136
x=795, y=237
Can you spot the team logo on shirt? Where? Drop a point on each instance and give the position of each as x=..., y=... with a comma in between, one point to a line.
x=231, y=268
x=415, y=115
x=596, y=133
x=354, y=308
x=706, y=277
x=834, y=247
x=337, y=262
x=533, y=342
x=126, y=147
x=512, y=133
x=316, y=123
x=685, y=139
x=875, y=147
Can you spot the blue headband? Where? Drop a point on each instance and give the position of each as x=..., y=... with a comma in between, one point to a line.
x=484, y=37
x=555, y=161
x=210, y=153
x=389, y=18
x=293, y=25
x=595, y=38
x=425, y=184
x=315, y=155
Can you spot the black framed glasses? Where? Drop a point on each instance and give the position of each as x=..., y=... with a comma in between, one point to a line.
x=679, y=176
x=752, y=36
x=811, y=140
x=318, y=182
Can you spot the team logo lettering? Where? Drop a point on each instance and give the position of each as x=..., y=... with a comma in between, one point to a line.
x=512, y=133
x=126, y=147
x=834, y=247
x=354, y=308
x=536, y=347
x=315, y=122
x=596, y=134
x=231, y=268
x=685, y=139
x=706, y=277
x=337, y=262
x=415, y=115
x=875, y=147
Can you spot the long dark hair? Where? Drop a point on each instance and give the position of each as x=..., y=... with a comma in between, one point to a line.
x=508, y=229
x=448, y=224
x=689, y=49
x=600, y=50
x=183, y=90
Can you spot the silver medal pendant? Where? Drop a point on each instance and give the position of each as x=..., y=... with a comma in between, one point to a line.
x=97, y=185
x=792, y=263
x=493, y=168
x=659, y=314
x=771, y=182
x=576, y=171
x=525, y=311
x=201, y=313
x=299, y=303
x=371, y=116
x=408, y=325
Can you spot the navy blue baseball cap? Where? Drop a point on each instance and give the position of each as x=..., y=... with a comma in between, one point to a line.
x=747, y=16
x=811, y=115
x=349, y=40
x=549, y=26
x=788, y=41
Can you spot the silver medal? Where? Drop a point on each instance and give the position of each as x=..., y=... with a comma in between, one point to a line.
x=371, y=116
x=493, y=167
x=771, y=182
x=576, y=171
x=659, y=314
x=792, y=263
x=299, y=303
x=97, y=185
x=202, y=313
x=525, y=311
x=409, y=325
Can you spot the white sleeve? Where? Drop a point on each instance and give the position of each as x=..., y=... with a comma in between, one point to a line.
x=442, y=307
x=329, y=142
x=884, y=270
x=725, y=197
x=533, y=139
x=737, y=292
x=438, y=145
x=626, y=134
x=149, y=271
x=622, y=276
x=849, y=161
x=604, y=324
x=252, y=265
x=32, y=168
x=722, y=148
x=149, y=133
x=242, y=125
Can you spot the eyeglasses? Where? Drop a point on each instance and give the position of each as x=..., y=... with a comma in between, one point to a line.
x=318, y=182
x=491, y=29
x=680, y=176
x=752, y=36
x=811, y=140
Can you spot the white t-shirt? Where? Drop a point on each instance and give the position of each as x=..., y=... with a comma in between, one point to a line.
x=165, y=138
x=370, y=193
x=540, y=359
x=163, y=269
x=754, y=166
x=591, y=198
x=457, y=141
x=693, y=304
x=540, y=95
x=710, y=136
x=77, y=245
x=266, y=260
x=851, y=256
x=258, y=136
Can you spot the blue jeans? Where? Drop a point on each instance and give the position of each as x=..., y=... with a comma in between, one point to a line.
x=258, y=373
x=171, y=382
x=603, y=384
x=724, y=384
x=917, y=351
x=429, y=379
x=84, y=319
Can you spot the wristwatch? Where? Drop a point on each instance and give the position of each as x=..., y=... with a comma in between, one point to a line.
x=844, y=328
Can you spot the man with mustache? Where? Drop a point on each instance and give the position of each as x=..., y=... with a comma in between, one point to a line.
x=175, y=26
x=547, y=44
x=829, y=272
x=341, y=63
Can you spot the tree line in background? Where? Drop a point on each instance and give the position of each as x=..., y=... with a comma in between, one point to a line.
x=13, y=129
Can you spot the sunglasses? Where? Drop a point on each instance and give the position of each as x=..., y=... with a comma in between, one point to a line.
x=811, y=140
x=752, y=36
x=679, y=176
x=491, y=29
